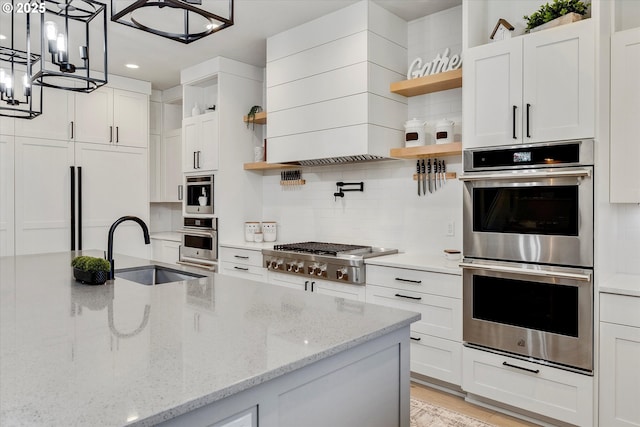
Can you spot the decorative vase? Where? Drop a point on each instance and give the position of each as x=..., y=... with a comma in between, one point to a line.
x=195, y=111
x=90, y=277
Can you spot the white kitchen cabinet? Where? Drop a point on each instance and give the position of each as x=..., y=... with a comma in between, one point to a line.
x=533, y=88
x=624, y=184
x=155, y=118
x=545, y=390
x=57, y=120
x=311, y=284
x=114, y=184
x=619, y=360
x=7, y=125
x=112, y=116
x=201, y=143
x=165, y=250
x=42, y=195
x=436, y=339
x=6, y=195
x=246, y=263
x=165, y=167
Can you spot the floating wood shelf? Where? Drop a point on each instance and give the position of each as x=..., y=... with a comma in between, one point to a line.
x=261, y=166
x=449, y=175
x=259, y=119
x=427, y=151
x=428, y=84
x=293, y=182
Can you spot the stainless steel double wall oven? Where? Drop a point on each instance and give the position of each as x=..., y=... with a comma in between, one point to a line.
x=528, y=248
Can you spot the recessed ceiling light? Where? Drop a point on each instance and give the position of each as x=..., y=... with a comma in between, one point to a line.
x=132, y=66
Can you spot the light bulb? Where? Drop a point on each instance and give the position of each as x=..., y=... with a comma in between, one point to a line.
x=61, y=44
x=51, y=30
x=2, y=76
x=8, y=82
x=25, y=80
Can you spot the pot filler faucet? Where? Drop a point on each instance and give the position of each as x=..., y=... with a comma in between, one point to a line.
x=145, y=231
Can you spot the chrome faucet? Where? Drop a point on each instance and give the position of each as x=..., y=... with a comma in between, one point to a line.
x=145, y=231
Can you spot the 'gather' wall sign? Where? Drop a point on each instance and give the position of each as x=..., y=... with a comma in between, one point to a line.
x=439, y=64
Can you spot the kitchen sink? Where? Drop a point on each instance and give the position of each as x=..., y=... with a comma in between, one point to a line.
x=155, y=275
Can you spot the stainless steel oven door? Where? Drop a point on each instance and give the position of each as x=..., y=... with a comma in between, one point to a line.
x=199, y=246
x=540, y=312
x=533, y=215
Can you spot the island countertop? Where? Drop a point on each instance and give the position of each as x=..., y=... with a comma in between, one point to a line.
x=129, y=354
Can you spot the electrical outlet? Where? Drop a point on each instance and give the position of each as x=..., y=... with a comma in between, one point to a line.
x=451, y=228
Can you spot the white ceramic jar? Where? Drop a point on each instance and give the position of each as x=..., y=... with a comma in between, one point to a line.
x=444, y=131
x=414, y=134
x=250, y=228
x=269, y=231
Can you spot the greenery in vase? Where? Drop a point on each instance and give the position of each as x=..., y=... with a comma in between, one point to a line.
x=251, y=116
x=550, y=11
x=91, y=264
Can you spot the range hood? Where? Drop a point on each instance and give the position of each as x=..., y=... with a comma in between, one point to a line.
x=328, y=97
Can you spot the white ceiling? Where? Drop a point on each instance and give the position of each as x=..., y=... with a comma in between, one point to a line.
x=161, y=59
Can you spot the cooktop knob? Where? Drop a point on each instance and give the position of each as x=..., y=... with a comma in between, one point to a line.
x=342, y=273
x=321, y=270
x=299, y=267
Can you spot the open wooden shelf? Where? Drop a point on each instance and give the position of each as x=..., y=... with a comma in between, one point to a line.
x=428, y=84
x=260, y=118
x=427, y=151
x=261, y=166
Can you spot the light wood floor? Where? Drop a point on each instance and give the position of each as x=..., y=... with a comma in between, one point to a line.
x=456, y=403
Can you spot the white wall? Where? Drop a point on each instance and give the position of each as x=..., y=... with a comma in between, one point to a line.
x=389, y=212
x=628, y=239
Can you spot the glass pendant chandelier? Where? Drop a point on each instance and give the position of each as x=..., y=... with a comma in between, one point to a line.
x=73, y=40
x=16, y=68
x=184, y=21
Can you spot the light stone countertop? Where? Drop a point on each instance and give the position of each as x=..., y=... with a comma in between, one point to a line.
x=417, y=261
x=129, y=354
x=253, y=246
x=622, y=284
x=173, y=236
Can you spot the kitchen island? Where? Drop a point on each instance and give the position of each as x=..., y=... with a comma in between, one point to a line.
x=215, y=351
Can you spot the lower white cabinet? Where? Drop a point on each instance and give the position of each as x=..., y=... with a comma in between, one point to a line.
x=165, y=250
x=548, y=391
x=246, y=263
x=436, y=347
x=310, y=284
x=619, y=361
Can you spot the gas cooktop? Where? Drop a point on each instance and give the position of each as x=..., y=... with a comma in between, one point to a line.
x=330, y=261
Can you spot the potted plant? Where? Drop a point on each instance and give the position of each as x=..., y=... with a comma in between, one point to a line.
x=90, y=270
x=251, y=115
x=550, y=11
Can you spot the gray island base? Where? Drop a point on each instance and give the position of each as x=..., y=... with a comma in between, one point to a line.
x=215, y=351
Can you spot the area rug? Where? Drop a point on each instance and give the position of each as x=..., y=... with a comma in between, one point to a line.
x=424, y=414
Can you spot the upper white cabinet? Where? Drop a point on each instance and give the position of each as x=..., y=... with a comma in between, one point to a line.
x=112, y=116
x=201, y=143
x=534, y=88
x=6, y=194
x=57, y=120
x=625, y=114
x=171, y=177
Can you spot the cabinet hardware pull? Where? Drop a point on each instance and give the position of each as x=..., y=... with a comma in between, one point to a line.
x=72, y=129
x=241, y=257
x=180, y=192
x=514, y=122
x=312, y=283
x=240, y=268
x=534, y=371
x=407, y=296
x=117, y=133
x=306, y=284
x=110, y=133
x=528, y=108
x=415, y=339
x=400, y=279
x=194, y=159
x=198, y=159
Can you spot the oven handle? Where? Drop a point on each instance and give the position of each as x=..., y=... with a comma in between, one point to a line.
x=198, y=232
x=545, y=273
x=525, y=175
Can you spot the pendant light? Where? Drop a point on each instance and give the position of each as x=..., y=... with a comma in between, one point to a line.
x=73, y=39
x=184, y=21
x=16, y=68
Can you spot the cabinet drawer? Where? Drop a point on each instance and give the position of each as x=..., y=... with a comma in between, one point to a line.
x=449, y=285
x=548, y=391
x=621, y=309
x=241, y=256
x=243, y=270
x=441, y=316
x=436, y=358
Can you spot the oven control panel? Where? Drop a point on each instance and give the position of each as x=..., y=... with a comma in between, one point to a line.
x=317, y=269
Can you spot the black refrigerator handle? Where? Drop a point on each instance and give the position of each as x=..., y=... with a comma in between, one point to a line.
x=80, y=208
x=72, y=180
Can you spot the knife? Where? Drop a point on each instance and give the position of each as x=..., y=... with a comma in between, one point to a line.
x=418, y=172
x=444, y=171
x=429, y=174
x=424, y=178
x=440, y=177
x=436, y=175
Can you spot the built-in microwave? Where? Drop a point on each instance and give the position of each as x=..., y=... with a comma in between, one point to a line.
x=199, y=197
